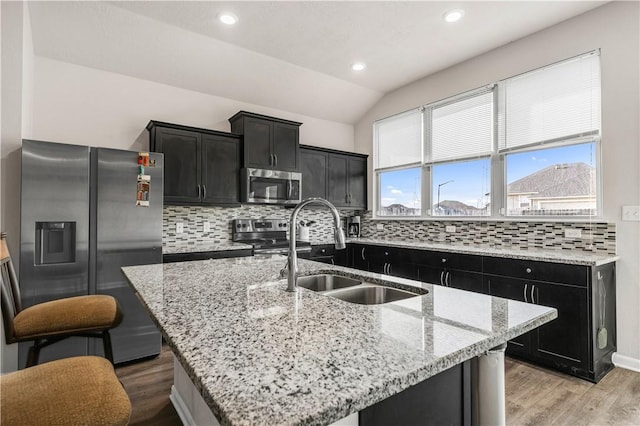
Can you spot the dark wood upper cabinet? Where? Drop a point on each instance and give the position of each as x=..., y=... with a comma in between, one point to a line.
x=357, y=182
x=269, y=142
x=338, y=176
x=313, y=165
x=221, y=169
x=182, y=166
x=200, y=166
x=338, y=188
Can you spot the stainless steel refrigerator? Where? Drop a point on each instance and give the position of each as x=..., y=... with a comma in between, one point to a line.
x=80, y=225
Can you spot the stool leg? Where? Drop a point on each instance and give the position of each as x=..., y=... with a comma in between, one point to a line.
x=106, y=341
x=34, y=354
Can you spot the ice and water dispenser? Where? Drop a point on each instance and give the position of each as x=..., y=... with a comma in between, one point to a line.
x=55, y=243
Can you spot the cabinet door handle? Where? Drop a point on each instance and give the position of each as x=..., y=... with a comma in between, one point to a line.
x=289, y=190
x=362, y=254
x=204, y=192
x=389, y=269
x=275, y=160
x=448, y=279
x=332, y=262
x=444, y=260
x=533, y=300
x=524, y=292
x=199, y=192
x=528, y=270
x=441, y=278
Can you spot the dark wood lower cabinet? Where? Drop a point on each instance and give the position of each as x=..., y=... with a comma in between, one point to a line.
x=580, y=341
x=570, y=342
x=463, y=280
x=444, y=399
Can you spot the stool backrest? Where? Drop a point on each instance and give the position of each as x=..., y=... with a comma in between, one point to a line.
x=11, y=304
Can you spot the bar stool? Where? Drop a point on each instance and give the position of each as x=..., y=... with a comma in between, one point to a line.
x=80, y=390
x=49, y=322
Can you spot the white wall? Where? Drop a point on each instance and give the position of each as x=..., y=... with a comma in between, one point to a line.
x=614, y=28
x=81, y=105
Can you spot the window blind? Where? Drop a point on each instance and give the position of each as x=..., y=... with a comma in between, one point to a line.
x=462, y=128
x=399, y=140
x=561, y=101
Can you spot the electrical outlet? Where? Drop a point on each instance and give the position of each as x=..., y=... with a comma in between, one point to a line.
x=572, y=233
x=179, y=228
x=631, y=213
x=206, y=226
x=450, y=228
x=379, y=226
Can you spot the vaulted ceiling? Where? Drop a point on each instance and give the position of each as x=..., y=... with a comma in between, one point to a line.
x=293, y=56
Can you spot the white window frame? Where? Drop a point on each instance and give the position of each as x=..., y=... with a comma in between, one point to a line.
x=498, y=181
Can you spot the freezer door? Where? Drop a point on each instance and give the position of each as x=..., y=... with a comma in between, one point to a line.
x=54, y=237
x=126, y=235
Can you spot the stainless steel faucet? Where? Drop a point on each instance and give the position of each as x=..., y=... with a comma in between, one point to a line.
x=338, y=235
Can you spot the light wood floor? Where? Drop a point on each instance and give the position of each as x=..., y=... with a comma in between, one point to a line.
x=535, y=396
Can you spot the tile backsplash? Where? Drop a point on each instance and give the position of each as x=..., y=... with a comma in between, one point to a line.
x=597, y=237
x=219, y=218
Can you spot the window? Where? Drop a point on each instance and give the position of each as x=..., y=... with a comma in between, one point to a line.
x=549, y=134
x=461, y=143
x=399, y=151
x=525, y=146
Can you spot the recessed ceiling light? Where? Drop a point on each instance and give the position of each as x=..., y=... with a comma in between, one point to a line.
x=358, y=66
x=453, y=15
x=227, y=18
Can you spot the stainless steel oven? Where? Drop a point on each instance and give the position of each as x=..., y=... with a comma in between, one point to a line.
x=270, y=186
x=267, y=236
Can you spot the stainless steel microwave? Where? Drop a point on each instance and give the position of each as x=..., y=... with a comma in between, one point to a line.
x=270, y=186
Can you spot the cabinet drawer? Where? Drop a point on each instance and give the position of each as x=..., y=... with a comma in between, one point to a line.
x=540, y=271
x=437, y=259
x=323, y=250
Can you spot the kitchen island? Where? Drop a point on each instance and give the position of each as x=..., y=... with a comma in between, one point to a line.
x=257, y=354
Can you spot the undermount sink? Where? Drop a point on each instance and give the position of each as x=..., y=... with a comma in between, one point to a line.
x=370, y=294
x=326, y=282
x=353, y=290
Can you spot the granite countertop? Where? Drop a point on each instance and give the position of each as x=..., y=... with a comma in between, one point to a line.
x=203, y=247
x=261, y=355
x=575, y=257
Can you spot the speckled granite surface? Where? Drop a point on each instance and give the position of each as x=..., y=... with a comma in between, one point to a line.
x=575, y=257
x=197, y=246
x=261, y=355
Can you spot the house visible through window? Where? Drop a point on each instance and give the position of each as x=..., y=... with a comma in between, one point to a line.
x=555, y=181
